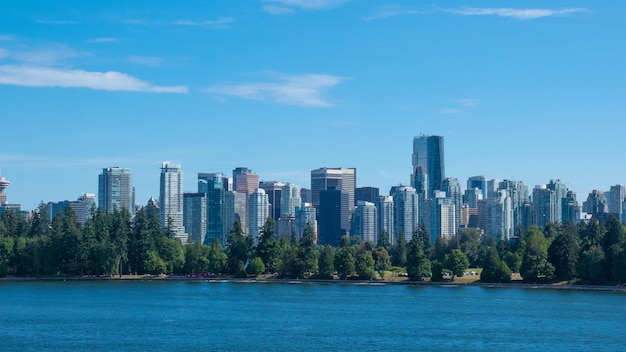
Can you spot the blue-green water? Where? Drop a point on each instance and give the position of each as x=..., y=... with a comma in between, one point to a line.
x=203, y=316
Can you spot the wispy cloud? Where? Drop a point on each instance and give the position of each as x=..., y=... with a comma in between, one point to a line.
x=4, y=53
x=392, y=11
x=462, y=105
x=280, y=7
x=60, y=22
x=45, y=55
x=103, y=40
x=210, y=23
x=145, y=60
x=34, y=76
x=522, y=14
x=299, y=90
x=6, y=38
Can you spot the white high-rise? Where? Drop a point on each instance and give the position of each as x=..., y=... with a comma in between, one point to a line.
x=258, y=211
x=171, y=199
x=290, y=199
x=385, y=216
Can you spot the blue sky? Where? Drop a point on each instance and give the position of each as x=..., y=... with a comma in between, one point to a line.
x=522, y=90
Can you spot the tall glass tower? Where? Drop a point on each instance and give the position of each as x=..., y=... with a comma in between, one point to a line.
x=171, y=199
x=115, y=190
x=428, y=164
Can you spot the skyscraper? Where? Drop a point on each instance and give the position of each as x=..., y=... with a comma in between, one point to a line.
x=81, y=206
x=245, y=181
x=4, y=183
x=194, y=216
x=213, y=185
x=428, y=164
x=478, y=182
x=384, y=206
x=452, y=188
x=406, y=212
x=235, y=209
x=274, y=191
x=290, y=199
x=333, y=216
x=305, y=214
x=364, y=221
x=339, y=178
x=115, y=190
x=171, y=199
x=368, y=194
x=258, y=212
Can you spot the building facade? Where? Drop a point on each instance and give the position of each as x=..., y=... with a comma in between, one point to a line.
x=115, y=189
x=171, y=199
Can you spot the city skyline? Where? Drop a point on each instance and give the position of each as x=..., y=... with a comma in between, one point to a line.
x=528, y=91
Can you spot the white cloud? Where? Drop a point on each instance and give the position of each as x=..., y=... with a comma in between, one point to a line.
x=392, y=11
x=522, y=14
x=210, y=23
x=33, y=76
x=103, y=40
x=145, y=60
x=6, y=38
x=4, y=53
x=450, y=111
x=288, y=6
x=56, y=22
x=467, y=102
x=50, y=54
x=300, y=90
x=464, y=103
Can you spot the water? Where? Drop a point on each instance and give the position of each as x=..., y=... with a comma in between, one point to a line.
x=202, y=316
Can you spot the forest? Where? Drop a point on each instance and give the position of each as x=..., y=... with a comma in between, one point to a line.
x=591, y=252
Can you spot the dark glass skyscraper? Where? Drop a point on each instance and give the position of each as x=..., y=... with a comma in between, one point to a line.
x=428, y=164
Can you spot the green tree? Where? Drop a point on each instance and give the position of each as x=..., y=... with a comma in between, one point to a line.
x=563, y=252
x=590, y=266
x=238, y=248
x=383, y=240
x=218, y=261
x=344, y=259
x=364, y=265
x=326, y=263
x=456, y=263
x=535, y=265
x=196, y=258
x=381, y=259
x=494, y=269
x=267, y=248
x=307, y=253
x=470, y=245
x=418, y=266
x=255, y=267
x=399, y=252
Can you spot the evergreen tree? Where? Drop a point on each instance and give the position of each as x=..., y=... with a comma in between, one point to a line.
x=418, y=266
x=535, y=265
x=364, y=265
x=563, y=252
x=399, y=255
x=267, y=248
x=344, y=259
x=239, y=247
x=326, y=263
x=470, y=245
x=383, y=240
x=494, y=270
x=456, y=263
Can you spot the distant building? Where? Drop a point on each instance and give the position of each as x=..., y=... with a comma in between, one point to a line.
x=214, y=186
x=115, y=189
x=333, y=216
x=452, y=189
x=285, y=226
x=235, y=209
x=406, y=212
x=171, y=199
x=81, y=207
x=364, y=221
x=499, y=224
x=428, y=164
x=478, y=182
x=545, y=205
x=596, y=204
x=290, y=199
x=367, y=194
x=258, y=212
x=194, y=216
x=274, y=191
x=245, y=181
x=385, y=209
x=472, y=196
x=305, y=214
x=340, y=178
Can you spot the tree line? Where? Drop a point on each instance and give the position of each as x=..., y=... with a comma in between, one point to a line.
x=117, y=243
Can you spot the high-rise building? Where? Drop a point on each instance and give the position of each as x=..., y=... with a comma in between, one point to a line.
x=341, y=178
x=274, y=191
x=545, y=205
x=518, y=192
x=428, y=164
x=306, y=195
x=472, y=196
x=81, y=207
x=406, y=212
x=385, y=209
x=171, y=199
x=333, y=216
x=194, y=216
x=235, y=209
x=560, y=192
x=452, y=188
x=617, y=195
x=4, y=183
x=499, y=214
x=286, y=225
x=478, y=182
x=115, y=189
x=305, y=214
x=368, y=194
x=492, y=188
x=596, y=203
x=439, y=217
x=245, y=181
x=258, y=212
x=290, y=199
x=570, y=208
x=364, y=221
x=213, y=185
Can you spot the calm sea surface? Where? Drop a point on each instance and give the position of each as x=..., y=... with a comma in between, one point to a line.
x=203, y=316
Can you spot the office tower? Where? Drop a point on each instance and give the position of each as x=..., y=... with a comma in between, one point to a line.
x=4, y=183
x=570, y=208
x=290, y=199
x=439, y=217
x=81, y=207
x=385, y=209
x=333, y=216
x=545, y=205
x=171, y=199
x=194, y=216
x=478, y=182
x=499, y=213
x=245, y=181
x=286, y=225
x=274, y=191
x=235, y=209
x=213, y=185
x=452, y=188
x=340, y=178
x=560, y=192
x=368, y=194
x=518, y=192
x=469, y=217
x=258, y=212
x=596, y=203
x=115, y=190
x=364, y=221
x=406, y=211
x=306, y=195
x=492, y=188
x=617, y=195
x=305, y=214
x=428, y=164
x=472, y=196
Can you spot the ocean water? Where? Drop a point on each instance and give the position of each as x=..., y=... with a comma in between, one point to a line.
x=206, y=316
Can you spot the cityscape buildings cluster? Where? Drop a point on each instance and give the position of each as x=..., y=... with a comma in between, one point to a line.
x=334, y=206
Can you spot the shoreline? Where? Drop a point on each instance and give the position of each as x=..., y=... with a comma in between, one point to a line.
x=568, y=287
